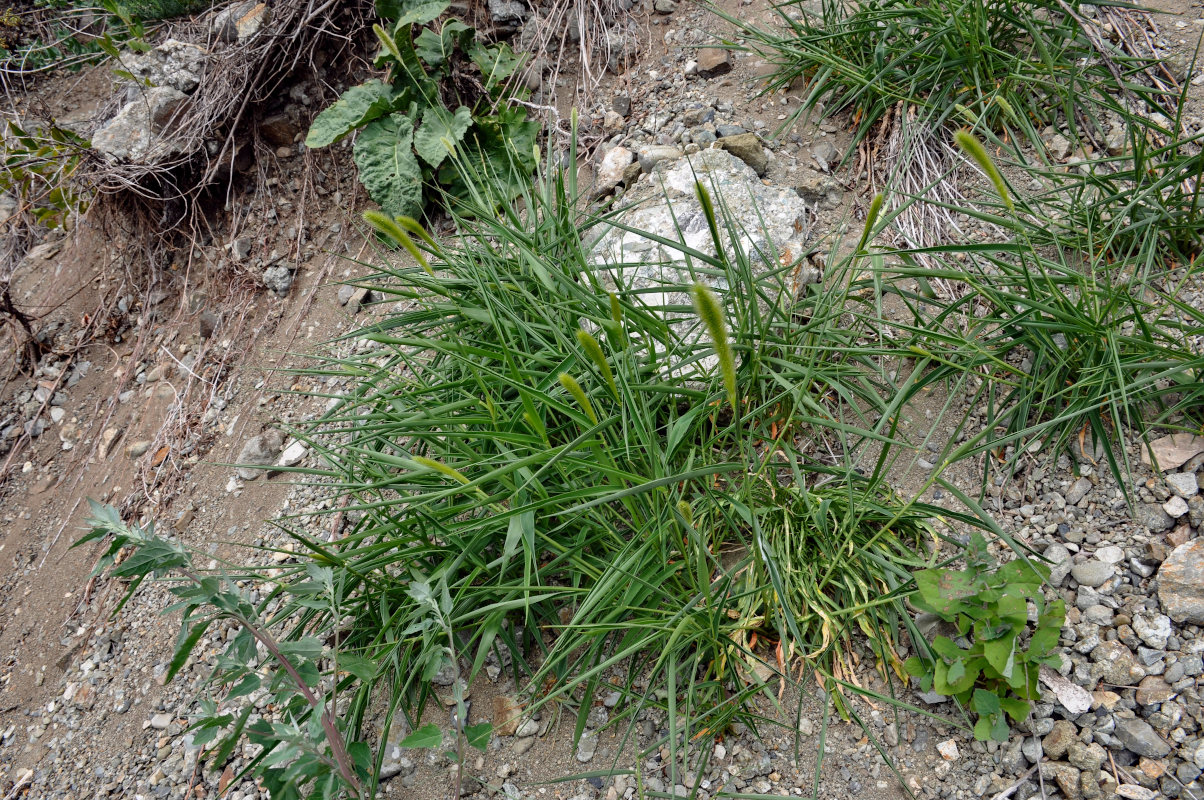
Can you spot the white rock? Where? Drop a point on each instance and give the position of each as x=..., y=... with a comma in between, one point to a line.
x=1154, y=630
x=1183, y=484
x=293, y=454
x=948, y=750
x=1175, y=507
x=1110, y=554
x=160, y=721
x=611, y=170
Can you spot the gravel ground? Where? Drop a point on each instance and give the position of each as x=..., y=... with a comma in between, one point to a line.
x=1133, y=583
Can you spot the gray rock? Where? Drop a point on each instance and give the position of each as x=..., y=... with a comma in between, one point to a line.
x=1060, y=563
x=1077, y=491
x=820, y=190
x=652, y=155
x=1065, y=776
x=746, y=147
x=1013, y=761
x=694, y=117
x=507, y=12
x=729, y=130
x=1176, y=507
x=664, y=6
x=773, y=226
x=345, y=292
x=1116, y=140
x=1181, y=583
x=1032, y=749
x=1058, y=741
x=1137, y=735
x=826, y=154
x=1153, y=516
x=293, y=454
x=1058, y=146
x=1116, y=664
x=174, y=64
x=1183, y=484
x=1087, y=757
x=1092, y=573
x=261, y=450
x=587, y=747
x=1154, y=629
x=241, y=247
x=714, y=61
x=278, y=280
x=141, y=132
x=611, y=170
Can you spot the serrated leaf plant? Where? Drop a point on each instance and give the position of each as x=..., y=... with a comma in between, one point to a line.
x=991, y=662
x=309, y=747
x=445, y=100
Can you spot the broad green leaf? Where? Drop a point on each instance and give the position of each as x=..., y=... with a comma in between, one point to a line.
x=1016, y=709
x=1013, y=608
x=356, y=107
x=428, y=735
x=915, y=667
x=1000, y=654
x=478, y=735
x=982, y=729
x=942, y=589
x=388, y=168
x=440, y=132
x=947, y=649
x=421, y=13
x=985, y=702
x=957, y=672
x=1000, y=730
x=497, y=62
x=360, y=667
x=436, y=48
x=248, y=684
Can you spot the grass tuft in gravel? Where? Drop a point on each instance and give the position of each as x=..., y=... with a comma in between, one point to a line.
x=692, y=492
x=1002, y=65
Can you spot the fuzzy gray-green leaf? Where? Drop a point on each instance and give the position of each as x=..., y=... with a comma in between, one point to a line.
x=388, y=169
x=440, y=132
x=357, y=106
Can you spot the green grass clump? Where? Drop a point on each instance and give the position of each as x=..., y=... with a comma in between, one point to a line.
x=1013, y=65
x=597, y=482
x=1073, y=347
